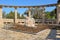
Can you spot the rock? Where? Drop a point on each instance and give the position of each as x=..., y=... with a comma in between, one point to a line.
x=30, y=22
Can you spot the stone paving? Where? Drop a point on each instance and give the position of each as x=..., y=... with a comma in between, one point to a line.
x=13, y=35
x=54, y=35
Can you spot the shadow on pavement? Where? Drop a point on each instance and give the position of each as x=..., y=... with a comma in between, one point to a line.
x=52, y=35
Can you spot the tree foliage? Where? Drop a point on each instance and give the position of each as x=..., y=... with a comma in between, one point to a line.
x=38, y=15
x=4, y=14
x=10, y=15
x=51, y=15
x=22, y=16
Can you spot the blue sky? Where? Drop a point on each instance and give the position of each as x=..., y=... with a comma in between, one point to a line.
x=25, y=3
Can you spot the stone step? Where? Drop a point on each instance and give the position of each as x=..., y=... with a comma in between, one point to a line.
x=49, y=39
x=58, y=31
x=58, y=36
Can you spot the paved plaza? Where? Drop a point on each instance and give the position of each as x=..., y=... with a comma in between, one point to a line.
x=47, y=34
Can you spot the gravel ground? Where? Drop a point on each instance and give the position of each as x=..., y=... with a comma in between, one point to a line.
x=13, y=35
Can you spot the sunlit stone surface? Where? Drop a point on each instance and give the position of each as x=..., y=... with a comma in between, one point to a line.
x=13, y=35
x=30, y=22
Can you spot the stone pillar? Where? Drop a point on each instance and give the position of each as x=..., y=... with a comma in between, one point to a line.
x=1, y=19
x=15, y=19
x=29, y=14
x=58, y=13
x=43, y=15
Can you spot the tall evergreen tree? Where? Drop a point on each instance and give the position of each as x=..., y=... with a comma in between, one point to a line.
x=11, y=15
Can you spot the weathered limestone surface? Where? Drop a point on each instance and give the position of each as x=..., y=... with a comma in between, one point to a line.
x=15, y=15
x=30, y=22
x=58, y=13
x=13, y=35
x=1, y=20
x=58, y=32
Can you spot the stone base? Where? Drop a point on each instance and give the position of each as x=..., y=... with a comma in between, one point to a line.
x=30, y=25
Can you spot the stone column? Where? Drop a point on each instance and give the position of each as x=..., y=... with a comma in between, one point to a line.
x=15, y=19
x=29, y=14
x=58, y=13
x=1, y=19
x=43, y=15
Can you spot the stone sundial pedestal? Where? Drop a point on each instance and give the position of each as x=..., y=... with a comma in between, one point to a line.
x=30, y=22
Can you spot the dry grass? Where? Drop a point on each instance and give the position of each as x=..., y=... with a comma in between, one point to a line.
x=29, y=29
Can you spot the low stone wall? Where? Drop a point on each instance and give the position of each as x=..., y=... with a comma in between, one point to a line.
x=27, y=29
